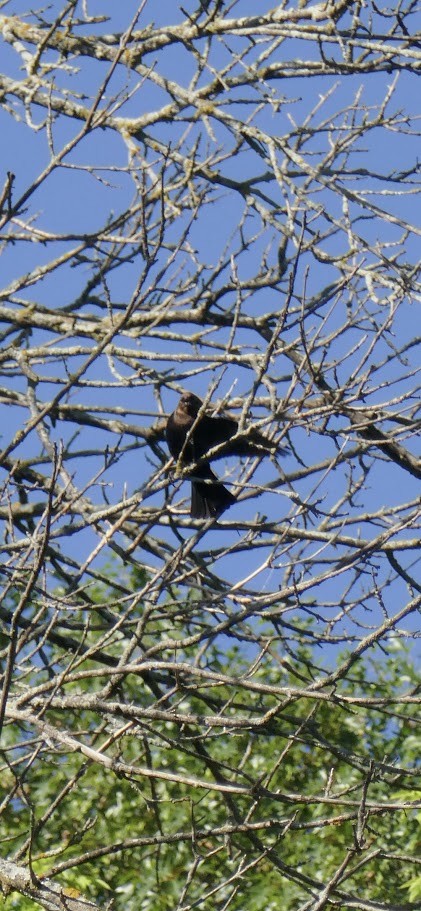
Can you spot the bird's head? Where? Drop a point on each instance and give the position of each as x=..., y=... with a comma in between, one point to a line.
x=189, y=404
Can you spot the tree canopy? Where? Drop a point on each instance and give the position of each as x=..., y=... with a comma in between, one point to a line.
x=213, y=198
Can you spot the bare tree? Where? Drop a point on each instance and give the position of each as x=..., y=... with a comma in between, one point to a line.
x=221, y=200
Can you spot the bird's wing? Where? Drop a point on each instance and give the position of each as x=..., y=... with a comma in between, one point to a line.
x=212, y=432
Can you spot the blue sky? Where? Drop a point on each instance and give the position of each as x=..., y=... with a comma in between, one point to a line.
x=73, y=201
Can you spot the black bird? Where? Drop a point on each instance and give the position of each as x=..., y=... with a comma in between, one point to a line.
x=209, y=497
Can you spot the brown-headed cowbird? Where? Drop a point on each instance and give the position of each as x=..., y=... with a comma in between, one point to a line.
x=209, y=497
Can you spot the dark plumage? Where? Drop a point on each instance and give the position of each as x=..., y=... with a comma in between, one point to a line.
x=209, y=496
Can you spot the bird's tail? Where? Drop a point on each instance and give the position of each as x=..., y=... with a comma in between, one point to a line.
x=209, y=500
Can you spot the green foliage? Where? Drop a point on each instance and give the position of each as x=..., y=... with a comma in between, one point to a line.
x=303, y=779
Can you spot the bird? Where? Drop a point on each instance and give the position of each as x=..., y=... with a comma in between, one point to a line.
x=190, y=437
